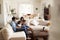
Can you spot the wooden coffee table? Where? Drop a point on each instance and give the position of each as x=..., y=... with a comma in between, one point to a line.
x=42, y=34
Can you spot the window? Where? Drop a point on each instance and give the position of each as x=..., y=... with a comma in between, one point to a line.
x=25, y=9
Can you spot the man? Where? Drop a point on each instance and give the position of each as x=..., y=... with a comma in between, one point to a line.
x=13, y=24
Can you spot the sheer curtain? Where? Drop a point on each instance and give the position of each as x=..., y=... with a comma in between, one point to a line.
x=25, y=9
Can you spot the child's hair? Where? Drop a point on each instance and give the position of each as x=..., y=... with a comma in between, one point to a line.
x=18, y=22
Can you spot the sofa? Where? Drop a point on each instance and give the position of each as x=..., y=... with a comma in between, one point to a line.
x=8, y=34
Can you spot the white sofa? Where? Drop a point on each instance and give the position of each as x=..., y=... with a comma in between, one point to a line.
x=9, y=34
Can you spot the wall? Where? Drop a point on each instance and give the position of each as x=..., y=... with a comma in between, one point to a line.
x=54, y=33
x=55, y=27
x=1, y=15
x=4, y=12
x=35, y=3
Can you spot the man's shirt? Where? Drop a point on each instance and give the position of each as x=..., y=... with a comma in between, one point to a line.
x=13, y=24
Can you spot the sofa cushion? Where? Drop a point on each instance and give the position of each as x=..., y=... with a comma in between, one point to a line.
x=18, y=36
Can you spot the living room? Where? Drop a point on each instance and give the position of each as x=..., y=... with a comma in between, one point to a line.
x=33, y=13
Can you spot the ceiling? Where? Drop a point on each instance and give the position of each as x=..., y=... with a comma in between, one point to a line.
x=25, y=1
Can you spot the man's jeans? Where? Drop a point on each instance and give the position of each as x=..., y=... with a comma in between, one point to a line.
x=24, y=28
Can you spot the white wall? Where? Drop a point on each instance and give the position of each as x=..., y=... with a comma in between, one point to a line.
x=55, y=27
x=1, y=15
x=35, y=3
x=4, y=12
x=54, y=33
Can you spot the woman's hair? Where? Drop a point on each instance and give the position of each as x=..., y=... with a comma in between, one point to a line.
x=22, y=18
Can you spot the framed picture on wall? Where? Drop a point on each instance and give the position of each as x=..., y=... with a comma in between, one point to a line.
x=0, y=8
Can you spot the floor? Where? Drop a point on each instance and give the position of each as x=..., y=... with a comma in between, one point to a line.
x=54, y=33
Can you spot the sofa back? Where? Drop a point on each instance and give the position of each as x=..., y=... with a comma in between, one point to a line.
x=7, y=32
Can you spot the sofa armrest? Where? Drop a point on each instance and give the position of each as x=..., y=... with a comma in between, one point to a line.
x=18, y=36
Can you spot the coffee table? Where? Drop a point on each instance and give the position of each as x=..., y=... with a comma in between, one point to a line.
x=41, y=34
